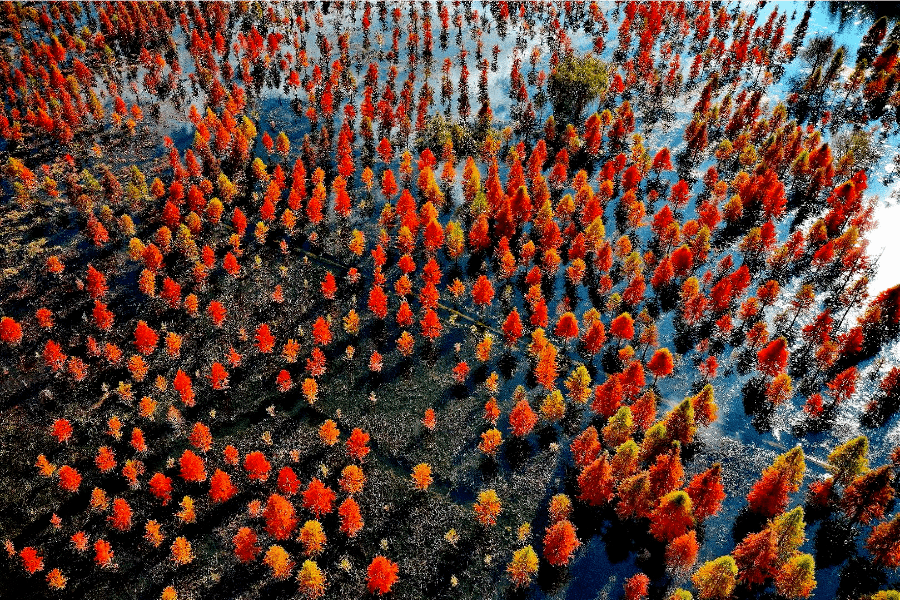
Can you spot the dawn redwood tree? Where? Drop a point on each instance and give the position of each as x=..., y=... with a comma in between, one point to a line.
x=192, y=466
x=11, y=331
x=772, y=359
x=257, y=466
x=487, y=508
x=381, y=575
x=145, y=339
x=673, y=517
x=635, y=498
x=769, y=495
x=121, y=515
x=637, y=587
x=660, y=364
x=351, y=521
x=280, y=517
x=594, y=338
x=716, y=579
x=566, y=327
x=523, y=566
x=318, y=498
x=522, y=418
x=596, y=483
x=756, y=557
x=288, y=483
x=619, y=428
x=622, y=327
x=866, y=497
x=279, y=561
x=245, y=548
x=352, y=479
x=161, y=487
x=220, y=487
x=706, y=492
x=681, y=552
x=431, y=325
x=796, y=578
x=512, y=328
x=560, y=542
x=704, y=405
x=883, y=543
x=311, y=580
x=849, y=459
x=357, y=444
x=265, y=342
x=421, y=476
x=312, y=536
x=586, y=447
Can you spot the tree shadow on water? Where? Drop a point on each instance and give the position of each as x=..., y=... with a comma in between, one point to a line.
x=834, y=542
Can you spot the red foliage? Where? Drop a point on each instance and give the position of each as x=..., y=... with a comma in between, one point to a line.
x=608, y=396
x=681, y=552
x=69, y=478
x=264, y=340
x=594, y=337
x=350, y=517
x=216, y=311
x=10, y=331
x=666, y=473
x=329, y=287
x=103, y=553
x=431, y=325
x=843, y=385
x=53, y=355
x=321, y=332
x=245, y=548
x=707, y=492
x=596, y=482
x=586, y=447
x=560, y=542
x=756, y=556
x=288, y=483
x=62, y=430
x=121, y=515
x=482, y=291
x=378, y=302
x=637, y=587
x=280, y=517
x=381, y=575
x=96, y=283
x=884, y=543
x=769, y=495
x=672, y=518
x=256, y=466
x=567, y=326
x=161, y=487
x=357, y=444
x=318, y=498
x=660, y=363
x=192, y=467
x=522, y=418
x=31, y=560
x=622, y=327
x=145, y=338
x=220, y=487
x=773, y=358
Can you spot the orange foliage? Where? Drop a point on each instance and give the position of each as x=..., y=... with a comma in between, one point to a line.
x=350, y=517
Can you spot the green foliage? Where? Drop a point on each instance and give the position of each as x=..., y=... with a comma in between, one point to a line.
x=576, y=81
x=849, y=459
x=439, y=130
